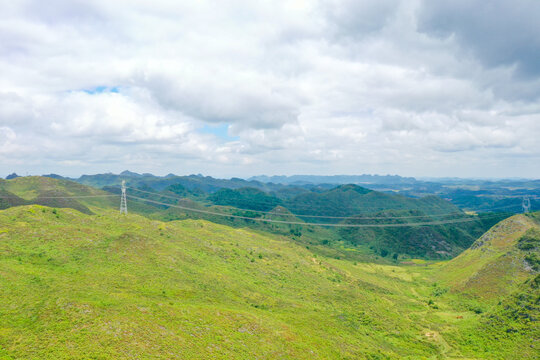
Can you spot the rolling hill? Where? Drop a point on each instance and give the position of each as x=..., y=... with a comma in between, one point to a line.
x=60, y=193
x=380, y=244
x=207, y=184
x=52, y=192
x=468, y=194
x=498, y=278
x=499, y=261
x=331, y=206
x=109, y=286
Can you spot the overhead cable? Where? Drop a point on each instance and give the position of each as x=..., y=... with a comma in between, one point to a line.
x=431, y=223
x=322, y=216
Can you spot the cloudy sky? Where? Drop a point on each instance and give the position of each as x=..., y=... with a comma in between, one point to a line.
x=239, y=88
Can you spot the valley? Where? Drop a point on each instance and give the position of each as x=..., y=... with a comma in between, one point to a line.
x=77, y=274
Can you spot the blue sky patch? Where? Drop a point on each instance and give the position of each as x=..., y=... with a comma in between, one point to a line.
x=102, y=89
x=220, y=130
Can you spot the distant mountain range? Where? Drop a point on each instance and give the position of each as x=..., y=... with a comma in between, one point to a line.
x=468, y=194
x=297, y=190
x=335, y=179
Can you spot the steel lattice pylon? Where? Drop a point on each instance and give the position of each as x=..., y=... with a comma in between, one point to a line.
x=526, y=204
x=123, y=200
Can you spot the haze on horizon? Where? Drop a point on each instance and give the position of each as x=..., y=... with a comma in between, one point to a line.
x=230, y=88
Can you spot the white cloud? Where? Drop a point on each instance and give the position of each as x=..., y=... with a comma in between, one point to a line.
x=333, y=86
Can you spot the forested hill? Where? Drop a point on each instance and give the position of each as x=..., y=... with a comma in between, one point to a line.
x=333, y=206
x=210, y=184
x=315, y=206
x=468, y=194
x=203, y=183
x=343, y=200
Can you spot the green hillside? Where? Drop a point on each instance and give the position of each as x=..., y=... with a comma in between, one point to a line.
x=347, y=200
x=498, y=278
x=54, y=193
x=206, y=184
x=431, y=242
x=343, y=200
x=327, y=206
x=60, y=193
x=245, y=198
x=8, y=199
x=108, y=286
x=467, y=194
x=496, y=264
x=382, y=245
x=375, y=244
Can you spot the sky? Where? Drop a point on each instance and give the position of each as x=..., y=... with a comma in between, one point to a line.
x=239, y=88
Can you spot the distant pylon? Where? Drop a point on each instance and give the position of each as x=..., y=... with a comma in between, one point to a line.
x=123, y=201
x=526, y=204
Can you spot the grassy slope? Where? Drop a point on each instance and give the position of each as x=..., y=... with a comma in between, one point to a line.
x=320, y=240
x=494, y=279
x=26, y=190
x=42, y=190
x=493, y=267
x=29, y=187
x=432, y=242
x=110, y=286
x=353, y=243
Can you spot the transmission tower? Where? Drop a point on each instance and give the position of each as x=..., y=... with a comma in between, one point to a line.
x=123, y=201
x=526, y=204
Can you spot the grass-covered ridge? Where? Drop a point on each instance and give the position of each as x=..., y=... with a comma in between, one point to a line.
x=110, y=286
x=60, y=193
x=385, y=244
x=496, y=264
x=337, y=206
x=52, y=192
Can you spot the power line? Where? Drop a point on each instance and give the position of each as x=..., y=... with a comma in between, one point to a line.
x=58, y=197
x=323, y=216
x=364, y=217
x=306, y=215
x=305, y=206
x=372, y=209
x=496, y=208
x=431, y=223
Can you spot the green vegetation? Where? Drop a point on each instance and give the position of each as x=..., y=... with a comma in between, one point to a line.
x=103, y=286
x=53, y=193
x=206, y=184
x=495, y=279
x=434, y=242
x=495, y=264
x=431, y=242
x=60, y=193
x=530, y=243
x=179, y=190
x=361, y=244
x=468, y=194
x=245, y=198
